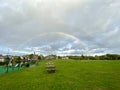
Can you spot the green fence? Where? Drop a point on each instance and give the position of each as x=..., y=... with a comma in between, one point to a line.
x=3, y=69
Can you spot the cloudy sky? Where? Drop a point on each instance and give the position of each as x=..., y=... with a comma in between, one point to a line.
x=62, y=27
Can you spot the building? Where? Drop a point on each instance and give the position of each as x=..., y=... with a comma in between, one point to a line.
x=50, y=57
x=2, y=59
x=65, y=58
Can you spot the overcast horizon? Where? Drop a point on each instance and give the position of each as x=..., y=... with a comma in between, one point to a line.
x=61, y=27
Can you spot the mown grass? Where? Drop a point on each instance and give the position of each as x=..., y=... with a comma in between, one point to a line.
x=70, y=75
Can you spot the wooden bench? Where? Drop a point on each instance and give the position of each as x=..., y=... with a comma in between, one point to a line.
x=50, y=67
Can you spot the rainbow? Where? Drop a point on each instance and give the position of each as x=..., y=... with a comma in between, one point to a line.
x=58, y=33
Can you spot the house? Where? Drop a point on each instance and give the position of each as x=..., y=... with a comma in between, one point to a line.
x=35, y=57
x=65, y=58
x=2, y=59
x=50, y=57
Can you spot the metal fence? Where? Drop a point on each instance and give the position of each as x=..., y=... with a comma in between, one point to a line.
x=6, y=69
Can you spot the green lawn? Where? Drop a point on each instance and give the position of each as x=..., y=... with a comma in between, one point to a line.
x=70, y=75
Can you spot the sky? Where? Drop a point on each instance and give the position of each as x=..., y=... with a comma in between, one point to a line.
x=61, y=27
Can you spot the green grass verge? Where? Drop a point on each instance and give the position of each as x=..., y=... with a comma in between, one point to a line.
x=70, y=75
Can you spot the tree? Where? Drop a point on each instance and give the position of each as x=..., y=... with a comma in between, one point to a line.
x=31, y=56
x=97, y=57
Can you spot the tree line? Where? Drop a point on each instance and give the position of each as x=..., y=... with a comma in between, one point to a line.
x=96, y=57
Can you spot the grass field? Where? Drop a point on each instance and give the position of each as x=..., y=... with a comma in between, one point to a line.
x=70, y=75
